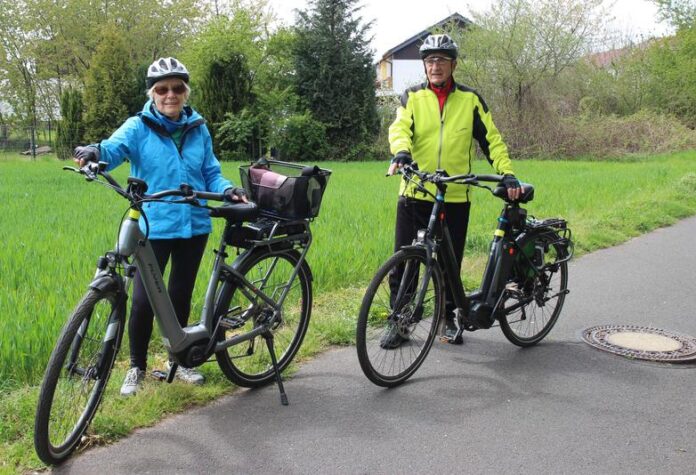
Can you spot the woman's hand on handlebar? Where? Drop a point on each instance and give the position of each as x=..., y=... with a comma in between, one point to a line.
x=83, y=155
x=236, y=195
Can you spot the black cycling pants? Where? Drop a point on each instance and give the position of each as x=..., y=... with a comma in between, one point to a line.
x=186, y=255
x=412, y=215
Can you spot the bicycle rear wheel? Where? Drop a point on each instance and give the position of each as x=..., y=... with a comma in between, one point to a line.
x=535, y=296
x=393, y=306
x=249, y=364
x=77, y=374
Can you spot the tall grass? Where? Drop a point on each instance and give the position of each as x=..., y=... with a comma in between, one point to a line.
x=54, y=225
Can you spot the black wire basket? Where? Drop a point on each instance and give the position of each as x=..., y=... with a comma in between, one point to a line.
x=285, y=190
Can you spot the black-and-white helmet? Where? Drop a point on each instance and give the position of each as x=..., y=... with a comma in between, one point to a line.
x=439, y=44
x=166, y=68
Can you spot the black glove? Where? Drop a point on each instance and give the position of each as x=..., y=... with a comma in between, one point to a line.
x=402, y=158
x=87, y=153
x=510, y=181
x=235, y=194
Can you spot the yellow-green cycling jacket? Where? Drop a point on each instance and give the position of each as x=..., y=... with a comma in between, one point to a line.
x=445, y=141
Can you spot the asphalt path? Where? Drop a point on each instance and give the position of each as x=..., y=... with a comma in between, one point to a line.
x=484, y=407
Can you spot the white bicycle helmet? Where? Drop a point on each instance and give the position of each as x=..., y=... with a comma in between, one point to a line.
x=166, y=68
x=439, y=44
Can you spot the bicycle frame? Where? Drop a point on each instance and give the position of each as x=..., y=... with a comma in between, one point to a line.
x=181, y=341
x=476, y=310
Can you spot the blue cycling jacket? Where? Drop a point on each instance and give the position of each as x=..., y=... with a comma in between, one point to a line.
x=155, y=158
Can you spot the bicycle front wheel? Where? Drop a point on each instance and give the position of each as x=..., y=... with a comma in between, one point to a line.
x=77, y=374
x=399, y=317
x=535, y=297
x=249, y=364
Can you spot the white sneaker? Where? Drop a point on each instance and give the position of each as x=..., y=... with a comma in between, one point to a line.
x=188, y=375
x=133, y=382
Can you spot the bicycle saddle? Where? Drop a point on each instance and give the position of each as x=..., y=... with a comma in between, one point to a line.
x=527, y=193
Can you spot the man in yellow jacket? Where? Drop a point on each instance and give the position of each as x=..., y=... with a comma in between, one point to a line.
x=435, y=127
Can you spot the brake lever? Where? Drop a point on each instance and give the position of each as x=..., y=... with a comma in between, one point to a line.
x=192, y=200
x=90, y=175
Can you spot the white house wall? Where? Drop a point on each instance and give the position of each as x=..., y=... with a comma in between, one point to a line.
x=406, y=73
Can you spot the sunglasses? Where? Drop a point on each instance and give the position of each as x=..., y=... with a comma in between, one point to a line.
x=164, y=90
x=437, y=60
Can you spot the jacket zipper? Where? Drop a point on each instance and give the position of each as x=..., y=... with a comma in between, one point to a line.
x=442, y=126
x=180, y=148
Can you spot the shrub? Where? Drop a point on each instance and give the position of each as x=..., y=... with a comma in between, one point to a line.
x=235, y=133
x=644, y=132
x=302, y=138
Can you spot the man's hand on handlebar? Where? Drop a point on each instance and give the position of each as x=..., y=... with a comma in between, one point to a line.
x=400, y=159
x=236, y=195
x=513, y=187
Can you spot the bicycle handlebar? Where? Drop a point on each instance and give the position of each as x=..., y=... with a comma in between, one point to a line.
x=440, y=176
x=186, y=192
x=92, y=171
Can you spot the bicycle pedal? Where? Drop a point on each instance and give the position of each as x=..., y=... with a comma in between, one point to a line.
x=159, y=375
x=231, y=323
x=512, y=287
x=455, y=340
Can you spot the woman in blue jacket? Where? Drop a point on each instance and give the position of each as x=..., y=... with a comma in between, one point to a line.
x=167, y=144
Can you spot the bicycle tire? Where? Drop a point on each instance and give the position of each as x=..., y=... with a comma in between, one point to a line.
x=533, y=309
x=249, y=364
x=71, y=393
x=385, y=366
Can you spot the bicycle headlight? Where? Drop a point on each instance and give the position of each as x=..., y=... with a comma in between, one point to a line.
x=420, y=235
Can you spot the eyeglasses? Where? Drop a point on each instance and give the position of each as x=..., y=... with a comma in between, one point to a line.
x=437, y=60
x=164, y=90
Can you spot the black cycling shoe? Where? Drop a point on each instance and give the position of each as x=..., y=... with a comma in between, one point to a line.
x=392, y=338
x=451, y=332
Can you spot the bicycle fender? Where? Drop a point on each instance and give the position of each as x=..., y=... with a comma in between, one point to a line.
x=251, y=254
x=419, y=247
x=105, y=282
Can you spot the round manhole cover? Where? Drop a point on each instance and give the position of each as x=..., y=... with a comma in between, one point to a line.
x=642, y=343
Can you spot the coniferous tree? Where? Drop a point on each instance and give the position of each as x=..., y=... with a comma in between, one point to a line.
x=70, y=127
x=109, y=86
x=334, y=74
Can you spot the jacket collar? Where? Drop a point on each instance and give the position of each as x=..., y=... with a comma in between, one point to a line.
x=154, y=122
x=148, y=111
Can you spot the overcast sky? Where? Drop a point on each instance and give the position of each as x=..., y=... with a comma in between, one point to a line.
x=397, y=20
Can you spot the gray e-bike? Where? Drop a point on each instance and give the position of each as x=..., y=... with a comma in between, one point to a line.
x=265, y=294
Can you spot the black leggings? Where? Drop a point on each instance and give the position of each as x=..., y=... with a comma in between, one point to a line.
x=186, y=257
x=413, y=214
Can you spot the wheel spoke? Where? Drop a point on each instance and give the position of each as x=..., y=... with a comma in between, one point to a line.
x=71, y=392
x=391, y=342
x=536, y=304
x=271, y=274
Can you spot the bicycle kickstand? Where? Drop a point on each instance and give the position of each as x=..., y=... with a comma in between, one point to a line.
x=269, y=342
x=172, y=372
